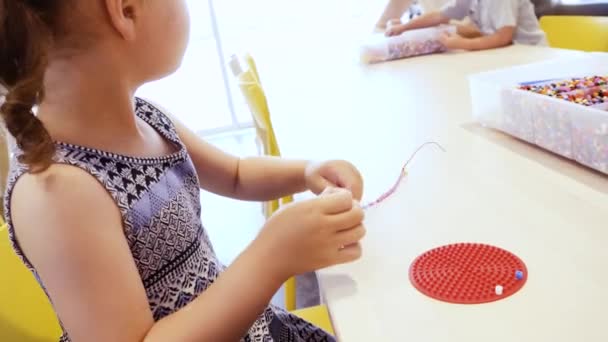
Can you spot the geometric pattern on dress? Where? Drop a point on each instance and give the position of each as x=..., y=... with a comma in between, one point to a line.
x=159, y=200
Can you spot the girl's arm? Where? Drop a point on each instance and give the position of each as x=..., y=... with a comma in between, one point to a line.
x=82, y=256
x=255, y=178
x=72, y=232
x=262, y=178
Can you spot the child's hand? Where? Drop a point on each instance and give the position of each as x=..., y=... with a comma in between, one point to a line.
x=453, y=41
x=468, y=30
x=313, y=234
x=335, y=173
x=394, y=30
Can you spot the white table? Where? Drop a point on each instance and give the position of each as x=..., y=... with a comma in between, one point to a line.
x=487, y=188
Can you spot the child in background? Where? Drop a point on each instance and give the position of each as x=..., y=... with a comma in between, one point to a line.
x=103, y=200
x=501, y=23
x=395, y=9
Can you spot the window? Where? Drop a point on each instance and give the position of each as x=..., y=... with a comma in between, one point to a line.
x=202, y=93
x=197, y=92
x=582, y=2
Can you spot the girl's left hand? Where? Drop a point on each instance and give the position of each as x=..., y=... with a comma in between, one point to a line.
x=453, y=41
x=335, y=173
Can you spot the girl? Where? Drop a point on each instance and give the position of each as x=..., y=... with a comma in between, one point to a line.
x=500, y=22
x=103, y=200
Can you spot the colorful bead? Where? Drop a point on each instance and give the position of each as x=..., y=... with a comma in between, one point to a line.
x=586, y=91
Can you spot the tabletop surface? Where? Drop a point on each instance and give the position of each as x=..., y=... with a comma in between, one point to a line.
x=487, y=187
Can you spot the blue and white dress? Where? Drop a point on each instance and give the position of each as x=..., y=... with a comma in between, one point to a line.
x=159, y=200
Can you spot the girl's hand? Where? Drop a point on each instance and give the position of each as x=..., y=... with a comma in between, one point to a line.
x=468, y=30
x=395, y=30
x=335, y=173
x=313, y=234
x=453, y=41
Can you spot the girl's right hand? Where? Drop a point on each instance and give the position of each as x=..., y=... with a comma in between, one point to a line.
x=313, y=234
x=395, y=30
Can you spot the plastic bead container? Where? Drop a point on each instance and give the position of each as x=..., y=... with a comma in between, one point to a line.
x=569, y=129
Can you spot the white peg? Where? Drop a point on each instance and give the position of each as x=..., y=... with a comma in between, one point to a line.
x=499, y=289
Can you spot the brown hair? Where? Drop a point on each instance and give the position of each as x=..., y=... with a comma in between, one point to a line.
x=26, y=33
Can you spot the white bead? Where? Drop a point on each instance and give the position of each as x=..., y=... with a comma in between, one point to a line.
x=499, y=290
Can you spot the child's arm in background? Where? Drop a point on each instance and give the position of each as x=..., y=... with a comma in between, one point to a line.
x=263, y=178
x=468, y=29
x=394, y=10
x=72, y=232
x=504, y=17
x=455, y=9
x=426, y=20
x=502, y=37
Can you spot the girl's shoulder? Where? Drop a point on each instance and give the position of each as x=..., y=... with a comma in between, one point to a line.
x=156, y=116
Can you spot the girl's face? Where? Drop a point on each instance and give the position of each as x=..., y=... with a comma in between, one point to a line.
x=163, y=28
x=146, y=39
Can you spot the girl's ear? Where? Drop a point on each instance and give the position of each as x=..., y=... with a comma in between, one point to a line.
x=123, y=14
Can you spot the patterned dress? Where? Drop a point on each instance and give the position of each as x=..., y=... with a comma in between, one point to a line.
x=159, y=202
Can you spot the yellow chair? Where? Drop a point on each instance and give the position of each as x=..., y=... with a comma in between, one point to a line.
x=256, y=100
x=25, y=312
x=249, y=82
x=584, y=33
x=317, y=315
x=4, y=167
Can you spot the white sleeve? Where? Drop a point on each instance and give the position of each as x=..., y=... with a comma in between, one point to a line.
x=504, y=13
x=458, y=9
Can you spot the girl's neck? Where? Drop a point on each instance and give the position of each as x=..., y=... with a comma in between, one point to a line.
x=87, y=97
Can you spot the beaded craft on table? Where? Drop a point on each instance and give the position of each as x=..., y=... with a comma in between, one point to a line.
x=402, y=175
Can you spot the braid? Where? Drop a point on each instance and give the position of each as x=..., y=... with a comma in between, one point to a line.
x=24, y=42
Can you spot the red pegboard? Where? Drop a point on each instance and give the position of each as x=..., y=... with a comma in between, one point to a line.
x=467, y=273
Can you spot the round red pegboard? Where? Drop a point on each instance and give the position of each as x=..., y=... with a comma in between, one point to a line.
x=467, y=273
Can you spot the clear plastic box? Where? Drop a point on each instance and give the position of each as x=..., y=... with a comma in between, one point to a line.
x=565, y=128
